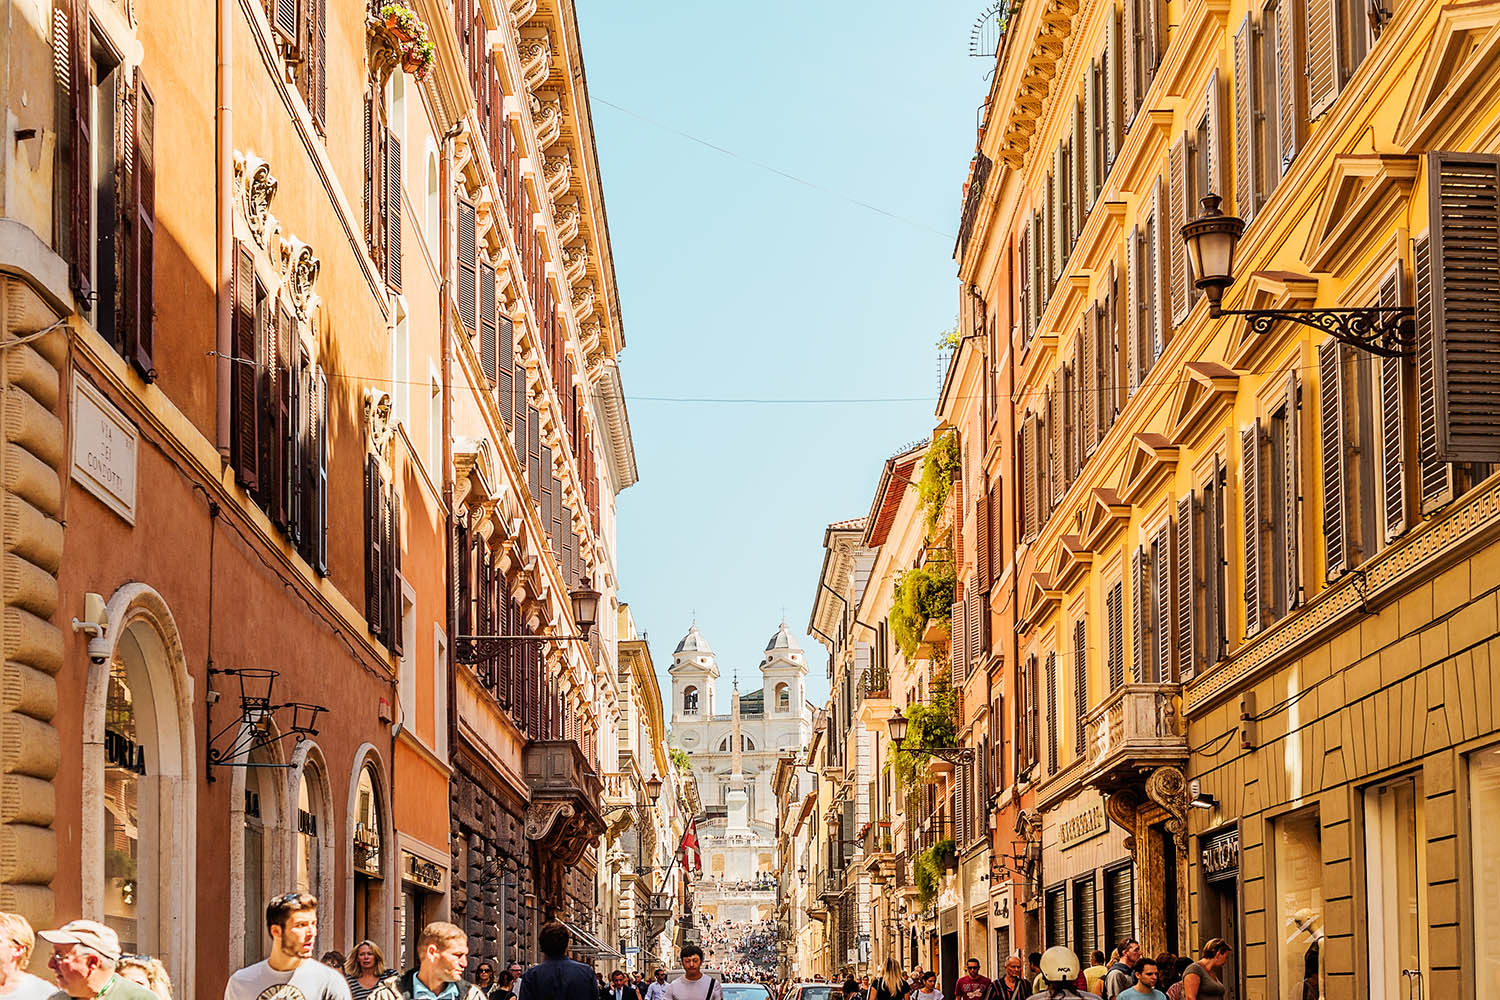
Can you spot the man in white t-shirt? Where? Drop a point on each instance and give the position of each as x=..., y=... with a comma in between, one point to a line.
x=693, y=984
x=17, y=939
x=290, y=972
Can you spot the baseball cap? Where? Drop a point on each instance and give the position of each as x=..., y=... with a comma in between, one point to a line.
x=91, y=934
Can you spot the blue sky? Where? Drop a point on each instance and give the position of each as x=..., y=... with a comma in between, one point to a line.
x=738, y=283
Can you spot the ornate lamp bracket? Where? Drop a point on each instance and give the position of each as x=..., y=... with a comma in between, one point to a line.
x=250, y=729
x=1385, y=331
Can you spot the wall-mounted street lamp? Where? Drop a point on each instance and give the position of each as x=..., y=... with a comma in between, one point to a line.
x=585, y=601
x=1212, y=239
x=653, y=788
x=897, y=724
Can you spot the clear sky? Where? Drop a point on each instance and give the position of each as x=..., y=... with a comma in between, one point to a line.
x=738, y=283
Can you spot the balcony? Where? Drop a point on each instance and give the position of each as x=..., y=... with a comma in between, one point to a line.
x=563, y=816
x=879, y=855
x=1137, y=729
x=830, y=886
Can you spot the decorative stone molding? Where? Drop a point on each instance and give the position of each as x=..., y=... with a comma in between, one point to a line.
x=1044, y=51
x=521, y=11
x=565, y=217
x=546, y=116
x=1359, y=204
x=300, y=268
x=535, y=50
x=256, y=188
x=378, y=424
x=1168, y=788
x=583, y=298
x=557, y=172
x=1121, y=806
x=575, y=260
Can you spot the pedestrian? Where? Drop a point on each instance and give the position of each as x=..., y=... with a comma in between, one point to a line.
x=1093, y=976
x=484, y=977
x=1166, y=965
x=148, y=971
x=914, y=985
x=851, y=988
x=516, y=970
x=17, y=940
x=658, y=988
x=929, y=990
x=557, y=977
x=1122, y=974
x=365, y=969
x=292, y=921
x=1013, y=985
x=1060, y=974
x=1038, y=983
x=1147, y=973
x=692, y=984
x=1201, y=980
x=619, y=988
x=333, y=959
x=442, y=957
x=889, y=985
x=504, y=986
x=85, y=956
x=972, y=985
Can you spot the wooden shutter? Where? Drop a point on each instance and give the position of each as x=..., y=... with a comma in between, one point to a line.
x=1081, y=194
x=1436, y=486
x=374, y=543
x=1133, y=293
x=320, y=526
x=1177, y=216
x=72, y=42
x=505, y=358
x=1216, y=565
x=1464, y=209
x=393, y=210
x=489, y=334
x=309, y=430
x=1245, y=131
x=370, y=191
x=1134, y=72
x=974, y=615
x=1091, y=388
x=959, y=631
x=394, y=546
x=468, y=265
x=244, y=450
x=1288, y=82
x=1114, y=611
x=1033, y=292
x=285, y=22
x=1055, y=458
x=1250, y=485
x=1140, y=598
x=1052, y=709
x=279, y=404
x=1214, y=153
x=1114, y=58
x=1150, y=40
x=982, y=540
x=1160, y=295
x=139, y=249
x=1188, y=586
x=1161, y=603
x=1091, y=107
x=1028, y=478
x=1322, y=79
x=1291, y=485
x=1334, y=442
x=1080, y=685
x=1393, y=422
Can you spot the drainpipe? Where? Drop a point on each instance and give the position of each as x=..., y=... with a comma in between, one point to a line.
x=223, y=278
x=445, y=334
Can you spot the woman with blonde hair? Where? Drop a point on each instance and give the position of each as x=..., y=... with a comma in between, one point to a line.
x=364, y=969
x=890, y=984
x=148, y=972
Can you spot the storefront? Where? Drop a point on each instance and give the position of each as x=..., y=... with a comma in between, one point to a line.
x=1001, y=901
x=1088, y=895
x=1219, y=897
x=424, y=895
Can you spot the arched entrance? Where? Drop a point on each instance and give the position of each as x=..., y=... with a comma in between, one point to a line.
x=372, y=872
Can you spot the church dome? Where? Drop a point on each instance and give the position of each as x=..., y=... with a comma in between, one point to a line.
x=783, y=641
x=693, y=642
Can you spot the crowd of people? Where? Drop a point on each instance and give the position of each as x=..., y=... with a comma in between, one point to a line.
x=86, y=959
x=743, y=950
x=1127, y=974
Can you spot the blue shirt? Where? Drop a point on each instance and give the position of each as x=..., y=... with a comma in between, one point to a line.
x=419, y=991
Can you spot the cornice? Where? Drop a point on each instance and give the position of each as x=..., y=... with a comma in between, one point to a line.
x=1361, y=199
x=1045, y=49
x=1151, y=458
x=1458, y=76
x=1207, y=391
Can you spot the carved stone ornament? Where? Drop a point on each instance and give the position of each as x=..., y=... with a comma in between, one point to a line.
x=591, y=329
x=378, y=424
x=381, y=47
x=558, y=172
x=565, y=217
x=256, y=188
x=575, y=260
x=546, y=115
x=299, y=268
x=535, y=50
x=1121, y=807
x=583, y=298
x=1168, y=788
x=521, y=11
x=542, y=816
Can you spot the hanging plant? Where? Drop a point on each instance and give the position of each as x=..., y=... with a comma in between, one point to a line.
x=408, y=36
x=923, y=594
x=941, y=464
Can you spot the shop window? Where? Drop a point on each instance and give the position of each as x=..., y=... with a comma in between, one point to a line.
x=125, y=769
x=260, y=812
x=309, y=831
x=1056, y=914
x=1298, y=847
x=1484, y=868
x=1085, y=921
x=369, y=872
x=1395, y=884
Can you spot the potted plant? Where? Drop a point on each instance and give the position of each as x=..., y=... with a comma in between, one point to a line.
x=407, y=35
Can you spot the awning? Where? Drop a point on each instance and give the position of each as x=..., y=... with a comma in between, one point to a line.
x=585, y=944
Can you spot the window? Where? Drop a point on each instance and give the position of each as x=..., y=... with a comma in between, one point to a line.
x=1027, y=717
x=1052, y=711
x=260, y=816
x=1270, y=477
x=1255, y=111
x=1085, y=917
x=310, y=829
x=1396, y=885
x=1142, y=266
x=1297, y=844
x=382, y=186
x=690, y=701
x=383, y=545
x=1484, y=868
x=1080, y=685
x=1142, y=51
x=1151, y=599
x=124, y=774
x=1114, y=612
x=1119, y=904
x=300, y=28
x=1202, y=583
x=783, y=698
x=1056, y=914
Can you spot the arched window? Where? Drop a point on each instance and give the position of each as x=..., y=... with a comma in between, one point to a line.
x=690, y=701
x=261, y=810
x=310, y=830
x=746, y=743
x=783, y=697
x=368, y=872
x=124, y=773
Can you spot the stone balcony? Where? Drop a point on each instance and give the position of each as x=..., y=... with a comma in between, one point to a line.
x=563, y=816
x=1137, y=729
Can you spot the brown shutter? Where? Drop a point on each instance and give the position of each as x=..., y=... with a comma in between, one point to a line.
x=309, y=422
x=1091, y=390
x=1134, y=72
x=1291, y=485
x=1464, y=209
x=1245, y=132
x=1250, y=485
x=468, y=276
x=1150, y=40
x=1177, y=216
x=320, y=85
x=1133, y=293
x=505, y=354
x=1187, y=587
x=1140, y=597
x=1160, y=260
x=73, y=38
x=266, y=384
x=982, y=540
x=974, y=613
x=285, y=22
x=371, y=124
x=279, y=372
x=1028, y=477
x=1114, y=609
x=1080, y=685
x=1289, y=82
x=1215, y=153
x=320, y=524
x=393, y=210
x=1333, y=434
x=489, y=334
x=1055, y=458
x=1091, y=107
x=1052, y=708
x=245, y=419
x=1082, y=194
x=139, y=213
x=374, y=542
x=1436, y=486
x=1393, y=422
x=397, y=640
x=1322, y=81
x=1216, y=565
x=959, y=631
x=1161, y=618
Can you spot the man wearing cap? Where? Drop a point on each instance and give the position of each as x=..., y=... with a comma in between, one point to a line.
x=84, y=956
x=291, y=971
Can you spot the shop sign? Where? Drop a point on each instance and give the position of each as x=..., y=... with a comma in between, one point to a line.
x=105, y=445
x=1081, y=818
x=1221, y=856
x=366, y=849
x=422, y=871
x=1001, y=906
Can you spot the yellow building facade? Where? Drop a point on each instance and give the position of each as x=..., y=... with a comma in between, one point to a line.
x=1256, y=595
